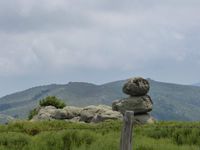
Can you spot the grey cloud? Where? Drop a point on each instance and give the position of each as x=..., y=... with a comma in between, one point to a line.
x=105, y=39
x=39, y=18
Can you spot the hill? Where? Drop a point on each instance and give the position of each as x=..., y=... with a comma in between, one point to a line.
x=4, y=118
x=197, y=84
x=171, y=101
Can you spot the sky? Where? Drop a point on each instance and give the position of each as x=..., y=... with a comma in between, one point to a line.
x=58, y=41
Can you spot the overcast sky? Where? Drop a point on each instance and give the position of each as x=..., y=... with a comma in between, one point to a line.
x=57, y=41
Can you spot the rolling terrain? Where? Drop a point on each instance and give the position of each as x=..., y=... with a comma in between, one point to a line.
x=171, y=101
x=198, y=84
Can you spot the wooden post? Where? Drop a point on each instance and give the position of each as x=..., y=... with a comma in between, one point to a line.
x=126, y=135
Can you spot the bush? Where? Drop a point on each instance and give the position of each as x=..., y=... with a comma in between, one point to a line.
x=32, y=113
x=48, y=101
x=52, y=101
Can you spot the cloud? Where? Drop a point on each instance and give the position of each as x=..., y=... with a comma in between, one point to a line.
x=149, y=38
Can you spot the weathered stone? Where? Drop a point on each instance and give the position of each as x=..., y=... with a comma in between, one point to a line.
x=75, y=119
x=50, y=113
x=76, y=114
x=72, y=111
x=45, y=113
x=139, y=104
x=88, y=114
x=136, y=87
x=99, y=113
x=144, y=119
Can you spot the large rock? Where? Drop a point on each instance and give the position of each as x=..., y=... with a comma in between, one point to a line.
x=139, y=104
x=72, y=111
x=67, y=112
x=99, y=113
x=44, y=113
x=76, y=114
x=136, y=87
x=51, y=113
x=87, y=114
x=144, y=119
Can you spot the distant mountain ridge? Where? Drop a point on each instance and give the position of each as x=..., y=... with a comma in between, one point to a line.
x=5, y=118
x=171, y=101
x=197, y=84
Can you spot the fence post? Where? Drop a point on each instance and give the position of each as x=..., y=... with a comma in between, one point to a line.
x=126, y=134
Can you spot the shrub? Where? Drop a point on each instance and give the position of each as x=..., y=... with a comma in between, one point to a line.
x=52, y=101
x=32, y=113
x=48, y=101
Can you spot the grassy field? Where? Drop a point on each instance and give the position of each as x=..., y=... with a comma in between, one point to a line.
x=59, y=135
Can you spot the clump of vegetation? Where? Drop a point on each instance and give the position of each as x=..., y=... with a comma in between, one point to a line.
x=52, y=101
x=32, y=113
x=48, y=101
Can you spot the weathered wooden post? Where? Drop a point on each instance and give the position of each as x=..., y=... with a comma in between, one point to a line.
x=126, y=135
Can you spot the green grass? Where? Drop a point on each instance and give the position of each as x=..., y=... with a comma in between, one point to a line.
x=60, y=135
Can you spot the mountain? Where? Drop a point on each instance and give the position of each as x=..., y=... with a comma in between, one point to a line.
x=197, y=84
x=171, y=101
x=5, y=118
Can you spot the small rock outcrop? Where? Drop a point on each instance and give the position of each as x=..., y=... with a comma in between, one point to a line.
x=138, y=100
x=87, y=114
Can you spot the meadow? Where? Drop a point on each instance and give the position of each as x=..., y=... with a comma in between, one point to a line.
x=60, y=135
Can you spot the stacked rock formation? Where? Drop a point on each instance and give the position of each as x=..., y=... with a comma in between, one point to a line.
x=138, y=100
